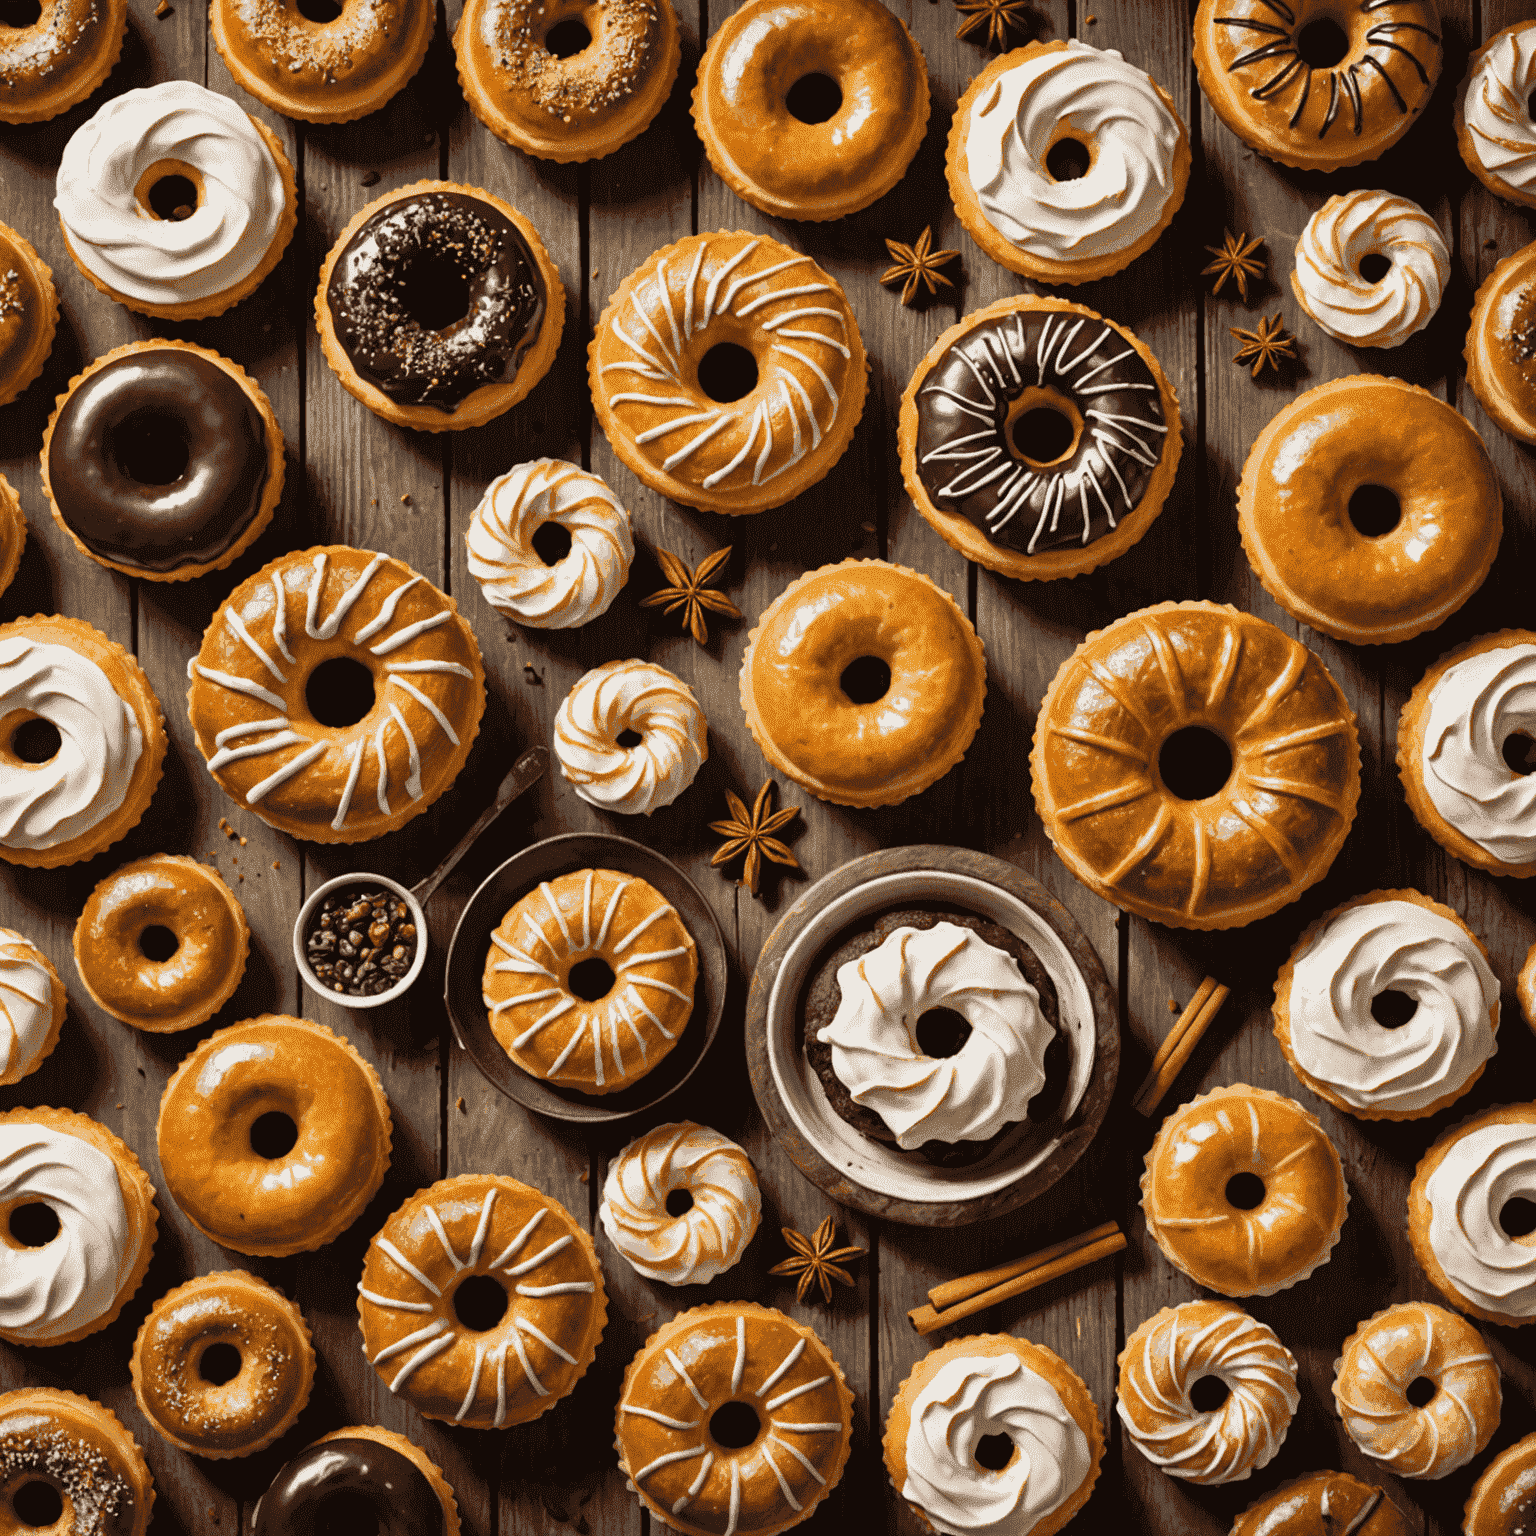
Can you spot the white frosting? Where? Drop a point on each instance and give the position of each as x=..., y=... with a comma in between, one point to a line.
x=969, y=1398
x=1107, y=105
x=511, y=572
x=86, y=780
x=70, y=1282
x=26, y=1004
x=1394, y=946
x=965, y=1097
x=1494, y=108
x=1339, y=236
x=1474, y=708
x=705, y=1240
x=1480, y=1174
x=168, y=261
x=630, y=696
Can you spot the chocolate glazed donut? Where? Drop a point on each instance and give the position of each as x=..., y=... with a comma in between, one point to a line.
x=1085, y=370
x=357, y=1475
x=158, y=460
x=435, y=297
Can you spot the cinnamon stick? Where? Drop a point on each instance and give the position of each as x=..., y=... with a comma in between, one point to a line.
x=1182, y=1039
x=953, y=1292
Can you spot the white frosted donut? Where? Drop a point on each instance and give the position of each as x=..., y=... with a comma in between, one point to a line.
x=31, y=1006
x=1496, y=116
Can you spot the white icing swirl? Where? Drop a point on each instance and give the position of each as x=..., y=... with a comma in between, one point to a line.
x=26, y=1003
x=71, y=1281
x=965, y=1097
x=1392, y=946
x=1478, y=1176
x=1328, y=280
x=709, y=1237
x=973, y=1396
x=1494, y=108
x=168, y=261
x=1473, y=710
x=87, y=779
x=511, y=572
x=659, y=708
x=1109, y=106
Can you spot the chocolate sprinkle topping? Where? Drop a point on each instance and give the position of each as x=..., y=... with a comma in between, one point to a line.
x=33, y=1448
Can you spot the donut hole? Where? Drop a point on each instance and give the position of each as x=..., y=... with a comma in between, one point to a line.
x=994, y=1452
x=149, y=448
x=679, y=1202
x=20, y=13
x=1245, y=1191
x=1208, y=1394
x=590, y=980
x=1068, y=160
x=1375, y=511
x=629, y=739
x=433, y=292
x=814, y=98
x=321, y=12
x=339, y=692
x=551, y=542
x=567, y=38
x=727, y=372
x=734, y=1425
x=34, y=1225
x=273, y=1135
x=36, y=741
x=174, y=198
x=865, y=680
x=1518, y=751
x=219, y=1363
x=1374, y=266
x=1421, y=1391
x=38, y=1504
x=1194, y=763
x=480, y=1303
x=158, y=943
x=941, y=1032
x=1392, y=1009
x=1518, y=1217
x=1043, y=435
x=1322, y=43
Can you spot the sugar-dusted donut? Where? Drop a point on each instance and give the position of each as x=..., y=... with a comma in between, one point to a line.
x=59, y=58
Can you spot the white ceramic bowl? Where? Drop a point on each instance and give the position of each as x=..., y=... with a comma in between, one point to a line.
x=359, y=878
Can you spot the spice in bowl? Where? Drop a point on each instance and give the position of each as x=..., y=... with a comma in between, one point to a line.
x=360, y=942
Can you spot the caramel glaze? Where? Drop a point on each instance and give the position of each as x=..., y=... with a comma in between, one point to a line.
x=1323, y=1504
x=393, y=1489
x=23, y=313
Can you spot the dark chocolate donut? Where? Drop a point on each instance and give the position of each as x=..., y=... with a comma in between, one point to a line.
x=416, y=260
x=158, y=460
x=967, y=460
x=326, y=1486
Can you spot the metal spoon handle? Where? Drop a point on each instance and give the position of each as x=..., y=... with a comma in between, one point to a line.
x=526, y=772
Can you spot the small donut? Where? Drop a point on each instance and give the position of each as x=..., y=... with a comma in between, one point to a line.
x=681, y=1204
x=222, y=1366
x=388, y=338
x=1350, y=233
x=60, y=58
x=273, y=1135
x=1243, y=1191
x=29, y=308
x=864, y=682
x=1501, y=345
x=1503, y=1500
x=13, y=526
x=568, y=589
x=1494, y=127
x=32, y=1006
x=623, y=699
x=1417, y=1390
x=811, y=109
x=1323, y=1504
x=1369, y=509
x=163, y=460
x=555, y=103
x=165, y=902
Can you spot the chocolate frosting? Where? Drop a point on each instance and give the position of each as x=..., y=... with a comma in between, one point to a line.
x=965, y=457
x=162, y=394
x=371, y=289
x=319, y=1490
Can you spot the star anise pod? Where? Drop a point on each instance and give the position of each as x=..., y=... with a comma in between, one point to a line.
x=751, y=832
x=688, y=590
x=815, y=1260
x=997, y=17
x=917, y=266
x=1234, y=259
x=1265, y=345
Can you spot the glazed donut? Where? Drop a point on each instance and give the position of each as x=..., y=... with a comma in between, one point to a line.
x=719, y=1216
x=237, y=1099
x=1493, y=118
x=744, y=105
x=1201, y=851
x=1501, y=344
x=577, y=106
x=1503, y=1500
x=60, y=58
x=208, y=936
x=1393, y=1357
x=1323, y=1504
x=322, y=72
x=222, y=1366
x=672, y=332
x=29, y=312
x=13, y=523
x=163, y=460
x=1243, y=1191
x=32, y=1006
x=822, y=710
x=1250, y=63
x=624, y=698
x=515, y=577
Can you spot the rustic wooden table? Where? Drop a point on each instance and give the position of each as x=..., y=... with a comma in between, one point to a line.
x=354, y=479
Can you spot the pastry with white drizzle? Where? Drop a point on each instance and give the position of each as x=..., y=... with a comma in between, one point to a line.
x=481, y=1302
x=1494, y=126
x=32, y=1004
x=1323, y=1504
x=336, y=694
x=734, y=1420
x=728, y=372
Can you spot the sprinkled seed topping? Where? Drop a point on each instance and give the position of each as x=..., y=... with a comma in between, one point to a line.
x=29, y=55
x=95, y=1492
x=602, y=76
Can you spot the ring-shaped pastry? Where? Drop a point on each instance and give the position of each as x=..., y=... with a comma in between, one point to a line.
x=60, y=58
x=1504, y=1498
x=1501, y=344
x=29, y=314
x=1321, y=1504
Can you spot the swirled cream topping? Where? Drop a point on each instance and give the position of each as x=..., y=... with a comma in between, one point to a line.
x=71, y=1281
x=1480, y=1174
x=708, y=1237
x=1496, y=111
x=969, y=1096
x=26, y=1002
x=1337, y=240
x=1092, y=96
x=1474, y=709
x=104, y=183
x=1392, y=946
x=515, y=577
x=969, y=1398
x=87, y=779
x=638, y=697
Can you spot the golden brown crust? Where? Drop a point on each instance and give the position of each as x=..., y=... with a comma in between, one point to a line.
x=60, y=58
x=1313, y=1504
x=1526, y=987
x=412, y=1453
x=1504, y=1497
x=1499, y=368
x=10, y=939
x=13, y=533
x=29, y=315
x=1468, y=145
